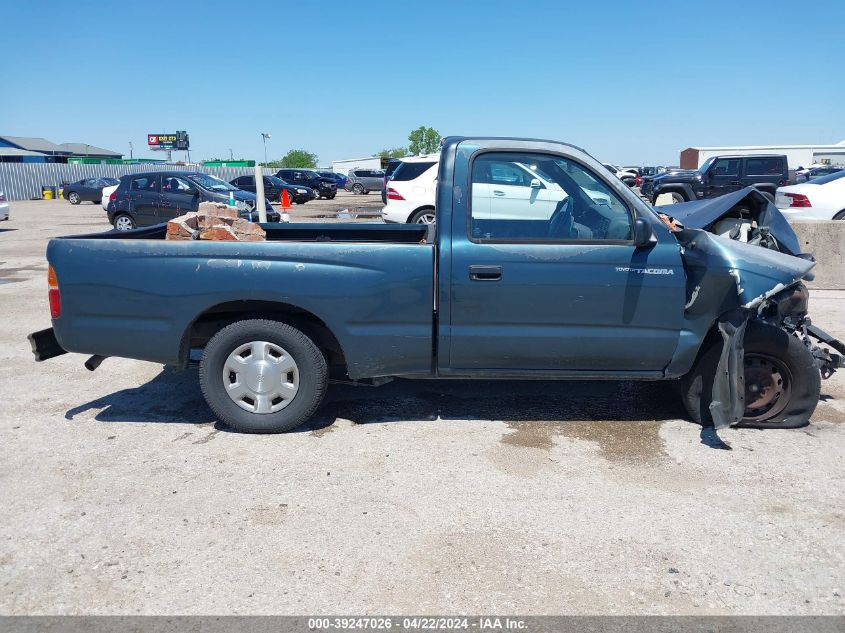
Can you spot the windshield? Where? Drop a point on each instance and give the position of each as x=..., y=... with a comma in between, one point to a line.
x=706, y=165
x=211, y=183
x=829, y=178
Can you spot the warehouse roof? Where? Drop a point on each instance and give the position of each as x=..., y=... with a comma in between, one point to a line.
x=81, y=149
x=35, y=144
x=839, y=145
x=14, y=151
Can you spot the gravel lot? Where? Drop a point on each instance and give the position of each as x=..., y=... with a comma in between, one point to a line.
x=120, y=493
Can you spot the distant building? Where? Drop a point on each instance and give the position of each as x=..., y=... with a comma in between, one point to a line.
x=797, y=155
x=24, y=149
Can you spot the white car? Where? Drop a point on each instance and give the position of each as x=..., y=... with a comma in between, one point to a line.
x=108, y=191
x=820, y=199
x=4, y=207
x=412, y=190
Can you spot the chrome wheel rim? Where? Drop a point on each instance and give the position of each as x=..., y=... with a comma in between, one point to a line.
x=358, y=189
x=123, y=223
x=73, y=198
x=426, y=218
x=261, y=377
x=768, y=387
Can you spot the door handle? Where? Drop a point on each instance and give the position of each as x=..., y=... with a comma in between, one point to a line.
x=496, y=192
x=736, y=182
x=485, y=273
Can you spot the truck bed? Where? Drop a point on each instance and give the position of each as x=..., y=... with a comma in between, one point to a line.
x=135, y=294
x=299, y=232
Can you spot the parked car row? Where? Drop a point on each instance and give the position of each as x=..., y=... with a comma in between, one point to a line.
x=152, y=198
x=409, y=193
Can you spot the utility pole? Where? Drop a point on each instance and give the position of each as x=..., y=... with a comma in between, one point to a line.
x=264, y=137
x=131, y=157
x=231, y=155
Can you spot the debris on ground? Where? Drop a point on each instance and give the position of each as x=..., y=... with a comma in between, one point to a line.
x=214, y=221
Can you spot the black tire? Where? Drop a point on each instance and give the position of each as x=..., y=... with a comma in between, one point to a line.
x=770, y=197
x=311, y=365
x=331, y=197
x=124, y=219
x=74, y=198
x=358, y=188
x=417, y=216
x=677, y=198
x=840, y=215
x=778, y=356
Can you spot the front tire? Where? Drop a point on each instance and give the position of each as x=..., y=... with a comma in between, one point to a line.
x=262, y=376
x=782, y=382
x=358, y=189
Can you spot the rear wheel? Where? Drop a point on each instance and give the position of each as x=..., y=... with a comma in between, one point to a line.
x=73, y=198
x=124, y=222
x=840, y=215
x=423, y=216
x=782, y=382
x=262, y=376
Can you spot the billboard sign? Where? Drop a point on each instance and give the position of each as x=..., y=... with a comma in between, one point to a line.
x=177, y=141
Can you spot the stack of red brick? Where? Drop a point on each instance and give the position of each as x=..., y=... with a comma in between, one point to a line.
x=214, y=221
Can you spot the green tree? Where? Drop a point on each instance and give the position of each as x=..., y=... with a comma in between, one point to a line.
x=424, y=140
x=394, y=152
x=295, y=158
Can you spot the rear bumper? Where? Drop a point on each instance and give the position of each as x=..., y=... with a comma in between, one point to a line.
x=45, y=345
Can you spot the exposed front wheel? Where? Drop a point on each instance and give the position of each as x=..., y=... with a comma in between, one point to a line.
x=124, y=222
x=358, y=188
x=676, y=197
x=782, y=382
x=262, y=376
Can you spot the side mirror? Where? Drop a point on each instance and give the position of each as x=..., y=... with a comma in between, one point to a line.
x=642, y=233
x=536, y=184
x=194, y=192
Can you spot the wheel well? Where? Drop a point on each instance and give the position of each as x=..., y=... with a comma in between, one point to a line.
x=217, y=317
x=424, y=207
x=671, y=189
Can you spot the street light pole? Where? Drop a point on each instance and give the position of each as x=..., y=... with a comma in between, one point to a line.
x=130, y=151
x=264, y=137
x=231, y=155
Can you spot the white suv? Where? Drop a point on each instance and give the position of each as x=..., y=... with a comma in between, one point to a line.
x=411, y=191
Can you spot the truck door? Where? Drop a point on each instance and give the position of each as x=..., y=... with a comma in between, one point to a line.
x=723, y=177
x=568, y=292
x=144, y=199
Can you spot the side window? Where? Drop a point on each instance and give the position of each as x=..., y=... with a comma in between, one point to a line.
x=542, y=198
x=726, y=167
x=174, y=184
x=144, y=183
x=763, y=167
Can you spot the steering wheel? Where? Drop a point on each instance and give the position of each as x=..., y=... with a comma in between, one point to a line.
x=561, y=222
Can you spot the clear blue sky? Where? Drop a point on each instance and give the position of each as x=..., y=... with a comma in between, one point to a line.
x=631, y=82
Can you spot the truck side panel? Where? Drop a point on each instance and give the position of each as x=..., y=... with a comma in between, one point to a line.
x=137, y=299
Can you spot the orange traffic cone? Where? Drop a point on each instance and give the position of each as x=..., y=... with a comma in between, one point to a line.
x=285, y=199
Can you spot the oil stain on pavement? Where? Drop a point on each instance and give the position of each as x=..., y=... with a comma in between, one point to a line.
x=617, y=440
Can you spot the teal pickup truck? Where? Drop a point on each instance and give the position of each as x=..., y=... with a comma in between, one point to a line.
x=541, y=264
